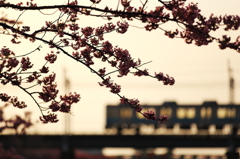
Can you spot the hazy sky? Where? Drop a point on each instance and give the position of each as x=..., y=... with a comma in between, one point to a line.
x=200, y=72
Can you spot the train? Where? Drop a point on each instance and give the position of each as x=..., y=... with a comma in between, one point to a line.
x=203, y=116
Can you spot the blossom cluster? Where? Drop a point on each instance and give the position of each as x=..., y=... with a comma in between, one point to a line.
x=18, y=75
x=13, y=100
x=225, y=43
x=17, y=123
x=51, y=117
x=149, y=115
x=196, y=27
x=114, y=88
x=30, y=4
x=49, y=91
x=166, y=79
x=133, y=103
x=65, y=104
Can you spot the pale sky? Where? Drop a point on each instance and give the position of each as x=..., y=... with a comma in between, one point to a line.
x=200, y=72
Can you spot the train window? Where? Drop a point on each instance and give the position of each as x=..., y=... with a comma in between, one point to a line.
x=181, y=113
x=140, y=116
x=112, y=112
x=166, y=111
x=206, y=112
x=191, y=112
x=125, y=113
x=221, y=112
x=186, y=113
x=209, y=112
x=231, y=112
x=226, y=113
x=203, y=112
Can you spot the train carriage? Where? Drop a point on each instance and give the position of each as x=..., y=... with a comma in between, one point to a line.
x=209, y=113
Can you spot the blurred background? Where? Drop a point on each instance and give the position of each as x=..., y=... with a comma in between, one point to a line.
x=201, y=74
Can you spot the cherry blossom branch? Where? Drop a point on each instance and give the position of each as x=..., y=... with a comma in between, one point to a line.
x=173, y=6
x=114, y=87
x=88, y=44
x=14, y=99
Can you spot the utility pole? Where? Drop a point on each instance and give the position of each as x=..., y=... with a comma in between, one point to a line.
x=231, y=84
x=67, y=89
x=67, y=151
x=231, y=153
